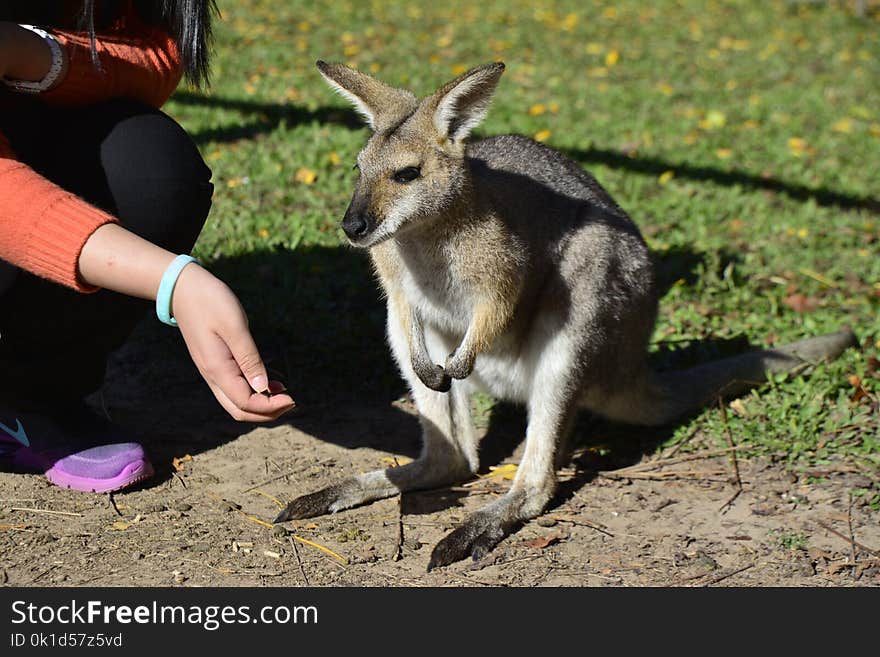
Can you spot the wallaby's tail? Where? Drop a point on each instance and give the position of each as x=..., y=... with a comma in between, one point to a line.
x=665, y=396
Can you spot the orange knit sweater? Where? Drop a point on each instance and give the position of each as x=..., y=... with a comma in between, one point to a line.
x=43, y=228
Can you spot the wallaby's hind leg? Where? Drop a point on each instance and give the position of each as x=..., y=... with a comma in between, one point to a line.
x=551, y=408
x=449, y=450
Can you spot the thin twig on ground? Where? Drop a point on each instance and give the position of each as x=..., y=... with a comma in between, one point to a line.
x=730, y=573
x=113, y=505
x=664, y=475
x=848, y=539
x=397, y=554
x=681, y=443
x=729, y=436
x=45, y=572
x=582, y=523
x=268, y=481
x=852, y=538
x=663, y=462
x=730, y=500
x=730, y=443
x=302, y=570
x=49, y=511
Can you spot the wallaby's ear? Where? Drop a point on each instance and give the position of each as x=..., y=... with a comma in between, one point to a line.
x=382, y=106
x=462, y=104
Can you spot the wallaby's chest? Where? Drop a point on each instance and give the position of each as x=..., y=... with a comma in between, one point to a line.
x=443, y=299
x=429, y=283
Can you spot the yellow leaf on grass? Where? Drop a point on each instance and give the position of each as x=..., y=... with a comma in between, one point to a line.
x=537, y=109
x=665, y=177
x=542, y=135
x=612, y=58
x=797, y=146
x=305, y=176
x=723, y=153
x=714, y=120
x=843, y=125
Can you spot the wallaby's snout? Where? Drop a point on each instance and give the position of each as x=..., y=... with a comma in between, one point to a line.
x=357, y=223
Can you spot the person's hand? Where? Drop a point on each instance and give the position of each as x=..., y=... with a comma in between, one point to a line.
x=215, y=329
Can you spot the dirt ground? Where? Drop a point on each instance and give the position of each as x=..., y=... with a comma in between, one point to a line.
x=202, y=521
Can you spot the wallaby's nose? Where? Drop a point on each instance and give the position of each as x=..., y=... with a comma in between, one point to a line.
x=356, y=225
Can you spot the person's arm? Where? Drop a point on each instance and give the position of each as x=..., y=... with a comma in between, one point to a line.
x=140, y=63
x=209, y=315
x=24, y=55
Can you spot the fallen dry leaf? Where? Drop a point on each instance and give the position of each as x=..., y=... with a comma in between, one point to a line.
x=505, y=471
x=800, y=303
x=739, y=407
x=860, y=392
x=544, y=541
x=179, y=463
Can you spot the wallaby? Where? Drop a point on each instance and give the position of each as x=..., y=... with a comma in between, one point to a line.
x=510, y=265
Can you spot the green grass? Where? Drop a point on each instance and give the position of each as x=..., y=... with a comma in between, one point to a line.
x=743, y=138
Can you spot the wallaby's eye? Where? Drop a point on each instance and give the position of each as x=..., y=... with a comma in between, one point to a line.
x=407, y=174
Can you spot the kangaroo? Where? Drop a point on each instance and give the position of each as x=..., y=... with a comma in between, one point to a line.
x=509, y=264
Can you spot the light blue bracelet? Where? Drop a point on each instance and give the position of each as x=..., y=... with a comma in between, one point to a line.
x=166, y=288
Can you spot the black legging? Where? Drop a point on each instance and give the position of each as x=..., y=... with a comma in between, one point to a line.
x=131, y=161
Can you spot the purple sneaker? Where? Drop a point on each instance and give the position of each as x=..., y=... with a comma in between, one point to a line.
x=74, y=449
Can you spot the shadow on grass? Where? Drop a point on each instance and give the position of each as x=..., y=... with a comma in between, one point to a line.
x=266, y=117
x=270, y=115
x=655, y=166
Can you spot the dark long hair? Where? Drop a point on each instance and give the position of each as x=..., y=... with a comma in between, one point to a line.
x=187, y=21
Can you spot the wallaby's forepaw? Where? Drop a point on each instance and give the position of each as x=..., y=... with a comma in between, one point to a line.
x=435, y=377
x=475, y=537
x=459, y=365
x=327, y=500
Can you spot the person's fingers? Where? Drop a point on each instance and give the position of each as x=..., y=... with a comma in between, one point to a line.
x=223, y=373
x=243, y=415
x=246, y=354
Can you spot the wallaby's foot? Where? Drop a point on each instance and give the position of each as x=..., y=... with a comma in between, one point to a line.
x=433, y=376
x=440, y=469
x=480, y=532
x=343, y=495
x=475, y=537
